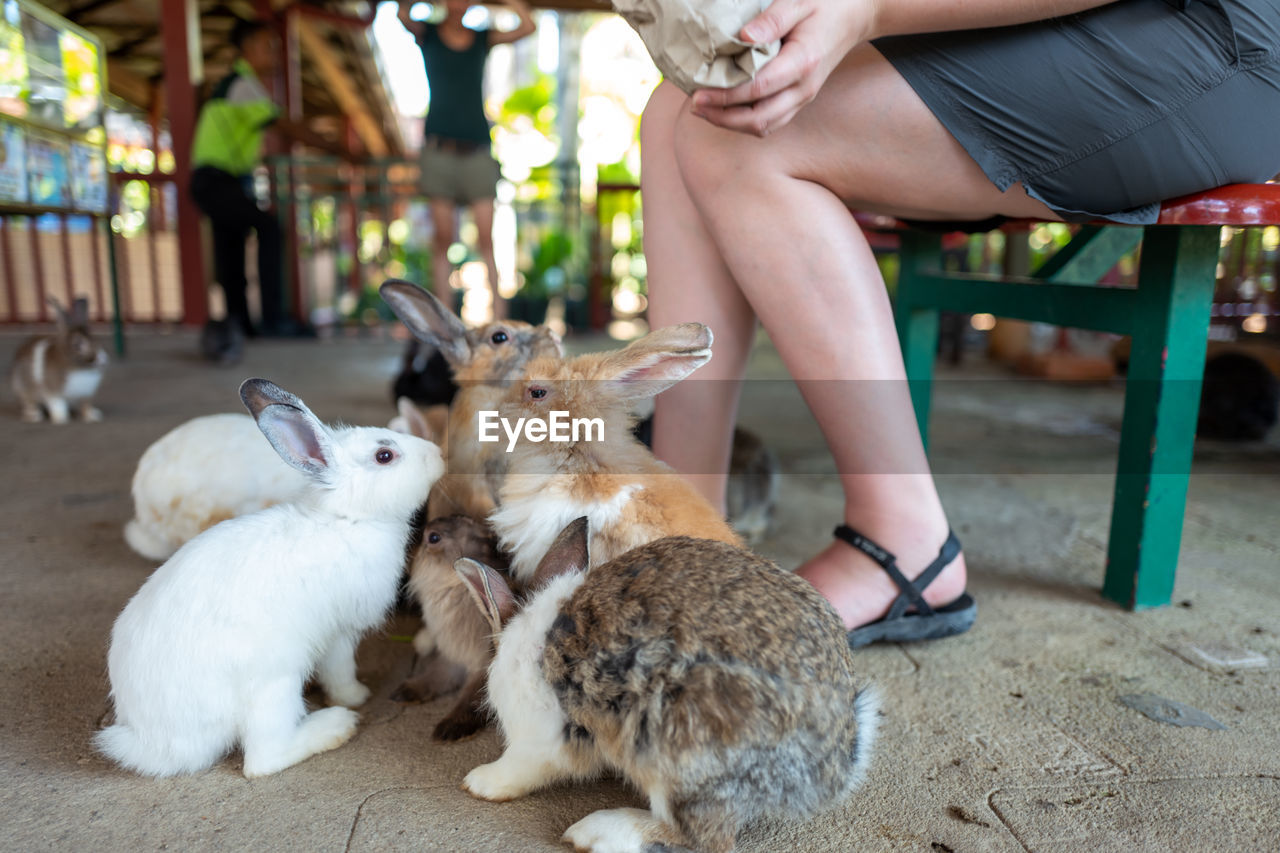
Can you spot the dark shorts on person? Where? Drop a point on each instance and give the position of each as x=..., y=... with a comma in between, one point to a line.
x=458, y=171
x=1106, y=113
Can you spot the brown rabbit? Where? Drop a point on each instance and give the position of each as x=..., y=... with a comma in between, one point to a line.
x=483, y=360
x=718, y=684
x=55, y=374
x=455, y=640
x=607, y=474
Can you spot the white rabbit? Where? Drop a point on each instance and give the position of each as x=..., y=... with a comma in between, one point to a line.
x=200, y=473
x=216, y=647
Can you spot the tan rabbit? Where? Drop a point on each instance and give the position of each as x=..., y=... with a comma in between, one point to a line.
x=455, y=641
x=56, y=374
x=718, y=684
x=607, y=474
x=483, y=360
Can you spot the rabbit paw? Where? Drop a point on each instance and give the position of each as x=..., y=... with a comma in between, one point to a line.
x=351, y=695
x=495, y=782
x=330, y=728
x=613, y=831
x=91, y=415
x=32, y=414
x=424, y=642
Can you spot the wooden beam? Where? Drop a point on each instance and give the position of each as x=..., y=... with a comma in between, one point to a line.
x=183, y=72
x=129, y=85
x=331, y=70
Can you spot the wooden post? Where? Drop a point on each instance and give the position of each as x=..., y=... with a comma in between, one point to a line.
x=183, y=71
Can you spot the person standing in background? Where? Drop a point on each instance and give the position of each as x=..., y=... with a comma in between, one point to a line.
x=457, y=164
x=226, y=150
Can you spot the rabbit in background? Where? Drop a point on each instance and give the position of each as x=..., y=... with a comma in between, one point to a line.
x=718, y=684
x=201, y=473
x=215, y=648
x=607, y=475
x=55, y=375
x=484, y=360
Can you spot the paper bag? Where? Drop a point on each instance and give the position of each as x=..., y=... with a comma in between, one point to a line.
x=695, y=43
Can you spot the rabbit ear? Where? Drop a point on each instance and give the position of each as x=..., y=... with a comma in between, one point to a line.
x=658, y=360
x=62, y=319
x=413, y=421
x=488, y=590
x=427, y=318
x=568, y=553
x=80, y=311
x=296, y=434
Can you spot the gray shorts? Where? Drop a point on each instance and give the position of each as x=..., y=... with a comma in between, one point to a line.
x=461, y=173
x=1106, y=113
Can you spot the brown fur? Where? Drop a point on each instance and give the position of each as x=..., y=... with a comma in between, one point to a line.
x=481, y=367
x=459, y=633
x=591, y=475
x=707, y=674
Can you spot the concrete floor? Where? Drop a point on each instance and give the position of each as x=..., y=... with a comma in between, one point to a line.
x=1010, y=737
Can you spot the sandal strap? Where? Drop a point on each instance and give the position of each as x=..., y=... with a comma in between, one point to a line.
x=911, y=593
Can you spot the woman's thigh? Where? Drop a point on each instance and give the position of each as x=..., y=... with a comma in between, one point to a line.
x=869, y=139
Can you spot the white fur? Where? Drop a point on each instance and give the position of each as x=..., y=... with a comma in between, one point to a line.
x=38, y=356
x=866, y=709
x=202, y=472
x=82, y=384
x=529, y=520
x=529, y=714
x=216, y=646
x=612, y=831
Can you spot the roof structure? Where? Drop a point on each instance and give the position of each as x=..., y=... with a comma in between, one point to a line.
x=341, y=76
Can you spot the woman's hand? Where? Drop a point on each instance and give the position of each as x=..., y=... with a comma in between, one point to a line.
x=816, y=35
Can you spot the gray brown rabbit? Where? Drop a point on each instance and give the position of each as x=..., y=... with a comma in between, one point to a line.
x=55, y=375
x=455, y=642
x=718, y=684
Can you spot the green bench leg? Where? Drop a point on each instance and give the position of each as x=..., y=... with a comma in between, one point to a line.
x=1162, y=399
x=918, y=325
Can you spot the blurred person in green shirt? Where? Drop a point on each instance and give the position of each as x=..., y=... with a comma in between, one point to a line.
x=226, y=150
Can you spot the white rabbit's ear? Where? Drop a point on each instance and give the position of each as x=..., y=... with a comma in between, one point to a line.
x=428, y=319
x=488, y=590
x=296, y=434
x=568, y=553
x=657, y=361
x=412, y=420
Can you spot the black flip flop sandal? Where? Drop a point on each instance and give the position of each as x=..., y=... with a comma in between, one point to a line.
x=924, y=622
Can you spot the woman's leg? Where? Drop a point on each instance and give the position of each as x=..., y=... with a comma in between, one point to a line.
x=688, y=282
x=482, y=213
x=775, y=210
x=444, y=224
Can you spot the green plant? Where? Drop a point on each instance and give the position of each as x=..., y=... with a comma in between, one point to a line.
x=547, y=275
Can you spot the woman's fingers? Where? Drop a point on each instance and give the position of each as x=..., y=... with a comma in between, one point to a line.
x=760, y=118
x=791, y=66
x=775, y=22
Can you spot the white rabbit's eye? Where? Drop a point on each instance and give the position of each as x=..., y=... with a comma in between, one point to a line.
x=433, y=538
x=385, y=456
x=499, y=337
x=536, y=393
